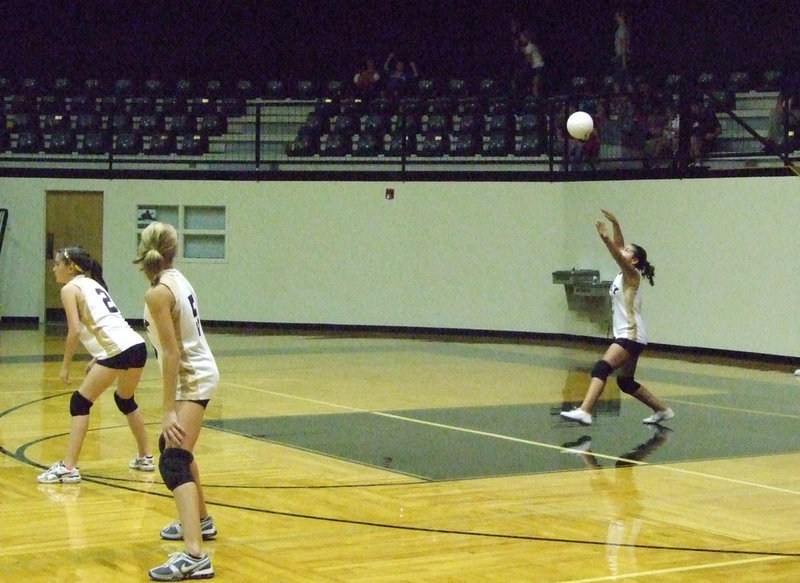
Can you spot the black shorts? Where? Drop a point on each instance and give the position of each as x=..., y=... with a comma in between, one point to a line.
x=133, y=357
x=633, y=348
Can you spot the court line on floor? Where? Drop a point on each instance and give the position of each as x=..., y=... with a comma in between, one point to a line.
x=511, y=438
x=669, y=571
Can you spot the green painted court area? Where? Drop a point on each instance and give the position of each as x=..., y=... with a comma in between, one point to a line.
x=474, y=442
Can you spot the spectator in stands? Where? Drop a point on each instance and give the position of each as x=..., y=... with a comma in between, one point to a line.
x=518, y=67
x=622, y=51
x=661, y=143
x=366, y=79
x=534, y=60
x=398, y=77
x=785, y=115
x=704, y=129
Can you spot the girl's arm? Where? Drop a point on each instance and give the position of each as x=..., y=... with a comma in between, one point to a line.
x=159, y=300
x=619, y=241
x=69, y=299
x=629, y=272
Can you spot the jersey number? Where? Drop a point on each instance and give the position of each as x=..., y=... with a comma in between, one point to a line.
x=107, y=300
x=194, y=313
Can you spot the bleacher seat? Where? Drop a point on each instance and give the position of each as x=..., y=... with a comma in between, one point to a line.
x=375, y=124
x=159, y=144
x=333, y=90
x=275, y=89
x=151, y=124
x=381, y=106
x=410, y=105
x=171, y=105
x=30, y=87
x=127, y=144
x=345, y=124
x=111, y=104
x=529, y=123
x=528, y=145
x=94, y=143
x=141, y=105
x=457, y=88
x=771, y=80
x=120, y=122
x=154, y=88
x=334, y=144
x=463, y=144
x=202, y=105
x=93, y=87
x=305, y=89
x=488, y=88
x=466, y=124
x=55, y=122
x=183, y=124
x=232, y=106
x=739, y=81
x=20, y=103
x=83, y=103
x=22, y=122
x=366, y=145
x=470, y=106
x=60, y=143
x=52, y=103
x=123, y=87
x=88, y=122
x=497, y=123
x=245, y=89
x=28, y=142
x=303, y=145
x=498, y=144
x=440, y=106
x=426, y=88
x=213, y=89
x=191, y=145
x=213, y=125
x=184, y=89
x=431, y=145
x=437, y=123
x=407, y=124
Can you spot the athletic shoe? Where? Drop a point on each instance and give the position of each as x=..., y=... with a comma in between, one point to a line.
x=182, y=566
x=579, y=415
x=660, y=416
x=174, y=531
x=143, y=464
x=59, y=474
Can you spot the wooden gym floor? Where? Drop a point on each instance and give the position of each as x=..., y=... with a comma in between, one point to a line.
x=383, y=458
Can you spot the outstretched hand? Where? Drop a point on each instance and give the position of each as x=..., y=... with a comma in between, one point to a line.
x=601, y=229
x=609, y=215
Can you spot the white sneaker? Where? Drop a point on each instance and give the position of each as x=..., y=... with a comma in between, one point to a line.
x=660, y=416
x=143, y=464
x=59, y=474
x=579, y=415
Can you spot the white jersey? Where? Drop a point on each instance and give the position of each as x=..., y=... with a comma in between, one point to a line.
x=626, y=311
x=104, y=332
x=197, y=373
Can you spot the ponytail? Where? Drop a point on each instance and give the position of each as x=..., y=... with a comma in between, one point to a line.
x=642, y=264
x=84, y=263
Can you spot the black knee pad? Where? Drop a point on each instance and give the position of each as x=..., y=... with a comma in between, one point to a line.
x=628, y=385
x=174, y=465
x=126, y=406
x=601, y=370
x=79, y=405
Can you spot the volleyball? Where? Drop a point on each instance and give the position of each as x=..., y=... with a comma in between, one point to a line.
x=580, y=125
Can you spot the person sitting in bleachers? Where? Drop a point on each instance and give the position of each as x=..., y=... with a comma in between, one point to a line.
x=704, y=129
x=366, y=79
x=398, y=77
x=784, y=117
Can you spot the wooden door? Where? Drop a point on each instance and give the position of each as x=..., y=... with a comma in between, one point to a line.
x=73, y=218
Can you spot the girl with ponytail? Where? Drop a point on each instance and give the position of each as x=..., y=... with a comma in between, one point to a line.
x=630, y=337
x=118, y=354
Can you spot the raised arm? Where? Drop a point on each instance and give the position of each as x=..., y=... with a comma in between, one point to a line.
x=618, y=239
x=628, y=270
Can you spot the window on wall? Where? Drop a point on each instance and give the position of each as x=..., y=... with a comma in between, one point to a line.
x=201, y=229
